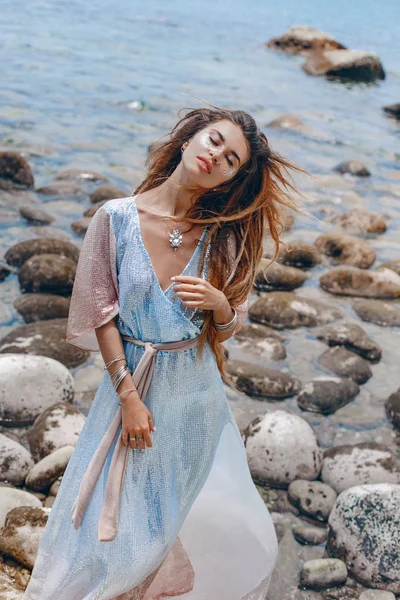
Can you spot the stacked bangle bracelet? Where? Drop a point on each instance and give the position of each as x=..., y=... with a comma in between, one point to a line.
x=119, y=374
x=227, y=326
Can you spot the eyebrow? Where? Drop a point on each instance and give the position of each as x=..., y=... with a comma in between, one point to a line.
x=222, y=140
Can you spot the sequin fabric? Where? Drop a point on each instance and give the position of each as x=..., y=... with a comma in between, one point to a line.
x=164, y=487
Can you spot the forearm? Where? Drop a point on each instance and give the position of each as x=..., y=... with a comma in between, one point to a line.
x=111, y=346
x=223, y=314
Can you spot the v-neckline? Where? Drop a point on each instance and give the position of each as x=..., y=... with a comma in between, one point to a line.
x=139, y=234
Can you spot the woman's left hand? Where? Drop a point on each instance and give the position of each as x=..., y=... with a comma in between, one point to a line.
x=198, y=292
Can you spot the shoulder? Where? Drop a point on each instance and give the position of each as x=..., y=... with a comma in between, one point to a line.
x=118, y=210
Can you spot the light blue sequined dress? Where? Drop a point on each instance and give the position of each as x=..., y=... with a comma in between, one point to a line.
x=188, y=504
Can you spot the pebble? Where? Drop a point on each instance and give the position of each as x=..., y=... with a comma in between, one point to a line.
x=322, y=573
x=312, y=536
x=312, y=498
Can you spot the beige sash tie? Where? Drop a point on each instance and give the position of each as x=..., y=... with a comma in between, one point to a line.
x=108, y=522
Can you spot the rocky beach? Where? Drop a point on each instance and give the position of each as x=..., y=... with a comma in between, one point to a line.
x=315, y=370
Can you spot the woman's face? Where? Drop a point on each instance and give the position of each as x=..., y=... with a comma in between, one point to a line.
x=215, y=154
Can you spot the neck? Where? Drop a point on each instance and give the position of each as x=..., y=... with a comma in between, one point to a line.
x=174, y=196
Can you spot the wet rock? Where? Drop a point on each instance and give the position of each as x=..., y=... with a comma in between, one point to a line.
x=50, y=273
x=262, y=341
x=351, y=281
x=40, y=307
x=47, y=470
x=282, y=447
x=15, y=171
x=302, y=39
x=365, y=533
x=80, y=226
x=312, y=498
x=386, y=314
x=46, y=338
x=359, y=220
x=393, y=110
x=80, y=174
x=346, y=364
x=278, y=277
x=345, y=65
x=359, y=464
x=352, y=337
x=36, y=215
x=346, y=249
x=22, y=251
x=285, y=310
x=312, y=536
x=287, y=121
x=255, y=380
x=276, y=500
x=377, y=595
x=49, y=232
x=107, y=192
x=300, y=255
x=322, y=573
x=60, y=188
x=59, y=425
x=12, y=498
x=326, y=394
x=392, y=407
x=15, y=461
x=21, y=534
x=25, y=393
x=92, y=210
x=393, y=265
x=352, y=167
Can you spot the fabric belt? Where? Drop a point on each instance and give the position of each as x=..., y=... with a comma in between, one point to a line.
x=108, y=522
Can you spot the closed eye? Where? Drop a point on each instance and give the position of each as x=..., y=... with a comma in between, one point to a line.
x=230, y=163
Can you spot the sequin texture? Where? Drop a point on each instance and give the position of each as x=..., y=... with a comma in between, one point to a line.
x=188, y=505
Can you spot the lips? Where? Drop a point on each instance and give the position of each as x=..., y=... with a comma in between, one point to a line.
x=206, y=162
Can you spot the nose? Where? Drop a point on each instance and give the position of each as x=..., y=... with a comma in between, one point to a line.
x=213, y=156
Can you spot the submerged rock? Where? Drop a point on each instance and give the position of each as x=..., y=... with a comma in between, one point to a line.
x=393, y=110
x=36, y=215
x=346, y=364
x=352, y=337
x=15, y=172
x=255, y=380
x=300, y=255
x=346, y=249
x=352, y=167
x=285, y=310
x=345, y=65
x=46, y=338
x=365, y=533
x=386, y=314
x=261, y=340
x=359, y=220
x=282, y=447
x=326, y=394
x=50, y=273
x=60, y=188
x=81, y=174
x=107, y=192
x=359, y=464
x=302, y=39
x=80, y=226
x=350, y=281
x=278, y=277
x=312, y=498
x=22, y=251
x=40, y=307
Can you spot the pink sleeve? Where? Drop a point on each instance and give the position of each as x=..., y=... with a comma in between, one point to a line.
x=94, y=299
x=242, y=309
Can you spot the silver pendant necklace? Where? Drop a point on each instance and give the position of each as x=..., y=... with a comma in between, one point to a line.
x=175, y=238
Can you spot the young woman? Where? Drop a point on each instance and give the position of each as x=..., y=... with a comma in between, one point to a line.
x=159, y=471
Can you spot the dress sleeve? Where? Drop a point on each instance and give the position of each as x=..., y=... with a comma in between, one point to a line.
x=94, y=299
x=243, y=308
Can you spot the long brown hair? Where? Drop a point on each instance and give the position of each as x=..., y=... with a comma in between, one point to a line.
x=246, y=205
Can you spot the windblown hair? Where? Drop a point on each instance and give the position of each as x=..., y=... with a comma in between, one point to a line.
x=248, y=205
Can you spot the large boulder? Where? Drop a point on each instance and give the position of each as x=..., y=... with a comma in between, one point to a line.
x=40, y=307
x=282, y=447
x=285, y=310
x=22, y=251
x=15, y=461
x=346, y=364
x=47, y=338
x=256, y=380
x=44, y=473
x=302, y=39
x=351, y=281
x=365, y=533
x=57, y=426
x=25, y=392
x=50, y=273
x=11, y=497
x=360, y=220
x=327, y=394
x=20, y=537
x=15, y=172
x=278, y=277
x=345, y=65
x=346, y=249
x=368, y=462
x=352, y=337
x=386, y=314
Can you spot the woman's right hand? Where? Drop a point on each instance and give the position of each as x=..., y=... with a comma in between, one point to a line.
x=136, y=421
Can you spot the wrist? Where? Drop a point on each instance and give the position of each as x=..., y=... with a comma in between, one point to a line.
x=224, y=312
